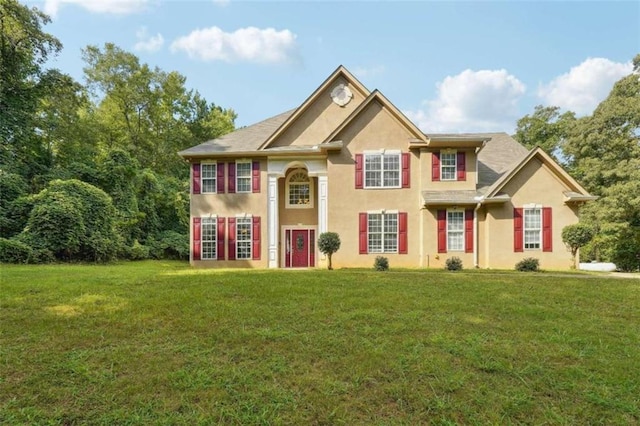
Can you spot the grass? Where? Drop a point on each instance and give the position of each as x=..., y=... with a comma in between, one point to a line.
x=160, y=343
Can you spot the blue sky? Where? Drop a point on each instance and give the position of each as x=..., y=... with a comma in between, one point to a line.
x=449, y=66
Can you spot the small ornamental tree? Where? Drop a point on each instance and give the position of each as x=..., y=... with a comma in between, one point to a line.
x=576, y=236
x=329, y=243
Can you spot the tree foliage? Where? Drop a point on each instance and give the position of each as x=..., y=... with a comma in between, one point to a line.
x=546, y=128
x=329, y=243
x=91, y=172
x=576, y=236
x=602, y=151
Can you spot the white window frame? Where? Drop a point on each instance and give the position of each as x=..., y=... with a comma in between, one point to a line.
x=208, y=246
x=536, y=232
x=288, y=184
x=383, y=171
x=244, y=178
x=457, y=233
x=211, y=180
x=387, y=238
x=246, y=242
x=448, y=167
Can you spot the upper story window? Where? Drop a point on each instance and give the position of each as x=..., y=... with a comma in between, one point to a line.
x=448, y=165
x=209, y=182
x=299, y=190
x=243, y=176
x=382, y=170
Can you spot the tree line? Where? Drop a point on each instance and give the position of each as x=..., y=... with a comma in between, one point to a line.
x=602, y=151
x=89, y=171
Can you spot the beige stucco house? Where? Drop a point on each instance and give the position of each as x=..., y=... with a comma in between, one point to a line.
x=348, y=161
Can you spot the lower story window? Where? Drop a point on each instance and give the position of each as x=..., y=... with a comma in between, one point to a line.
x=455, y=230
x=243, y=238
x=383, y=232
x=209, y=233
x=532, y=228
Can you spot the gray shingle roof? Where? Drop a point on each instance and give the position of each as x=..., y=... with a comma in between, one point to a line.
x=246, y=139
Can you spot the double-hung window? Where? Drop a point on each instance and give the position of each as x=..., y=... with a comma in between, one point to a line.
x=299, y=190
x=209, y=172
x=383, y=232
x=382, y=170
x=448, y=165
x=243, y=176
x=532, y=228
x=243, y=238
x=455, y=230
x=209, y=235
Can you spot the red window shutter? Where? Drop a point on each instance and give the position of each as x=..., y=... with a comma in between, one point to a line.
x=406, y=175
x=312, y=248
x=442, y=231
x=461, y=165
x=195, y=252
x=364, y=239
x=402, y=233
x=255, y=234
x=220, y=244
x=517, y=230
x=359, y=171
x=547, y=234
x=232, y=178
x=220, y=178
x=468, y=231
x=255, y=176
x=231, y=239
x=435, y=166
x=195, y=172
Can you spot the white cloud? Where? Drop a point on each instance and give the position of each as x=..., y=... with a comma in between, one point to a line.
x=147, y=43
x=472, y=101
x=118, y=7
x=584, y=86
x=249, y=44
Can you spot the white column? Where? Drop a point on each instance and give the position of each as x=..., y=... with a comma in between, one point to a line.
x=272, y=217
x=323, y=203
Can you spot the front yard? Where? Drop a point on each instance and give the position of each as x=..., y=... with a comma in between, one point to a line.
x=160, y=343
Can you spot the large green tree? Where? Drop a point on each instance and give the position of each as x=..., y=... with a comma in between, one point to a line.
x=546, y=128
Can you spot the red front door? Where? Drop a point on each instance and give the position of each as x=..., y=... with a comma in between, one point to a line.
x=299, y=248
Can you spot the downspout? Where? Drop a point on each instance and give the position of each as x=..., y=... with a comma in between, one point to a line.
x=476, y=227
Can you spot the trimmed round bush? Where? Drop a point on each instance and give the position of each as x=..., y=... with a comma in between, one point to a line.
x=453, y=264
x=381, y=264
x=528, y=264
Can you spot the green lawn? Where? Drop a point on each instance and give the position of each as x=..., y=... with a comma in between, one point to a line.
x=160, y=343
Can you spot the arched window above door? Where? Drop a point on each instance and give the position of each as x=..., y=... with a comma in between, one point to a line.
x=299, y=190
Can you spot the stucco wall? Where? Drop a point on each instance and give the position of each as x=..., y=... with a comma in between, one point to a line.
x=321, y=118
x=375, y=128
x=229, y=205
x=534, y=184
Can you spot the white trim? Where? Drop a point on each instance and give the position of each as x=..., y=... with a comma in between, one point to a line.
x=383, y=213
x=272, y=218
x=214, y=220
x=455, y=165
x=237, y=240
x=323, y=203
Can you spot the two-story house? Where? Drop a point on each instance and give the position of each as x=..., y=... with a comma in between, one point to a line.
x=348, y=161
